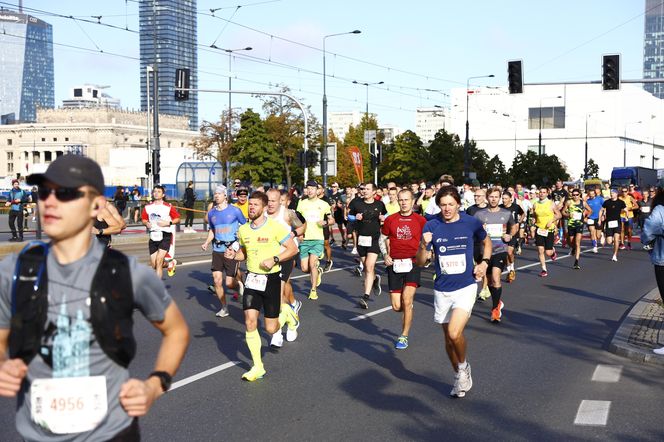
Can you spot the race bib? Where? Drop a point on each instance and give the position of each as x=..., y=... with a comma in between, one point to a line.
x=612, y=225
x=576, y=216
x=364, y=241
x=452, y=264
x=256, y=282
x=313, y=216
x=156, y=235
x=645, y=209
x=402, y=265
x=543, y=232
x=590, y=222
x=69, y=405
x=494, y=230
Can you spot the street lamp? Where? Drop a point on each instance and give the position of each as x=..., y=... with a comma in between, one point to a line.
x=375, y=154
x=539, y=144
x=585, y=163
x=625, y=141
x=466, y=143
x=323, y=162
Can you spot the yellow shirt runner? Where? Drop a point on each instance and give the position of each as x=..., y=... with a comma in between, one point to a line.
x=262, y=242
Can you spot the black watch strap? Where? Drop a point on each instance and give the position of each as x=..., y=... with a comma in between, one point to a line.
x=276, y=259
x=486, y=260
x=165, y=379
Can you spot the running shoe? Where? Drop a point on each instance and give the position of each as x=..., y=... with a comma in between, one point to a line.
x=223, y=312
x=497, y=312
x=543, y=274
x=254, y=374
x=402, y=343
x=313, y=295
x=485, y=293
x=576, y=265
x=291, y=330
x=376, y=285
x=511, y=276
x=296, y=306
x=595, y=249
x=517, y=250
x=629, y=247
x=240, y=289
x=658, y=351
x=277, y=340
x=354, y=251
x=622, y=246
x=615, y=258
x=465, y=379
x=212, y=290
x=554, y=256
x=328, y=265
x=320, y=276
x=456, y=392
x=357, y=271
x=363, y=301
x=171, y=268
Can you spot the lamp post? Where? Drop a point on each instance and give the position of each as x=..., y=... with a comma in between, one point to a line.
x=585, y=162
x=625, y=141
x=323, y=162
x=466, y=143
x=539, y=143
x=375, y=154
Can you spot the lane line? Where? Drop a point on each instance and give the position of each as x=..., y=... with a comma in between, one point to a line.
x=594, y=413
x=376, y=312
x=607, y=373
x=203, y=374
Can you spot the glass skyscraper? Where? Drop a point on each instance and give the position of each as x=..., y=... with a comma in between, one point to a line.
x=653, y=46
x=168, y=42
x=26, y=66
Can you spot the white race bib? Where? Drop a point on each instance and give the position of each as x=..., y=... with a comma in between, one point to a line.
x=576, y=216
x=69, y=405
x=590, y=222
x=364, y=241
x=156, y=235
x=255, y=281
x=313, y=216
x=452, y=264
x=402, y=265
x=543, y=232
x=612, y=225
x=494, y=230
x=645, y=209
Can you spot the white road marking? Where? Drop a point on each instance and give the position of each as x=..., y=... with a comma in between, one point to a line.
x=365, y=316
x=607, y=373
x=203, y=374
x=593, y=413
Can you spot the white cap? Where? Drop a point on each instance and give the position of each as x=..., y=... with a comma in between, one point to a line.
x=220, y=189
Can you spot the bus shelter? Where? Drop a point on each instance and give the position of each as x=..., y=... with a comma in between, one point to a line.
x=206, y=175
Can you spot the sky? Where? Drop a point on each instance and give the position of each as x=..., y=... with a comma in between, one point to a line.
x=411, y=46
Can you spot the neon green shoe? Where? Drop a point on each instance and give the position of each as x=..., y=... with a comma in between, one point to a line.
x=313, y=295
x=254, y=374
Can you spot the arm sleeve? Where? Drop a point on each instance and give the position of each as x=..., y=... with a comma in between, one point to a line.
x=174, y=213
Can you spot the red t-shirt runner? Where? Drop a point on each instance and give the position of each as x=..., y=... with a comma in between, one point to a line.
x=404, y=233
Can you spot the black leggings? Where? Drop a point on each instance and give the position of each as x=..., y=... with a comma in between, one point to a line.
x=659, y=276
x=16, y=217
x=189, y=220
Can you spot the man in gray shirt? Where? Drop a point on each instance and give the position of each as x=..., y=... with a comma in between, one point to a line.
x=75, y=388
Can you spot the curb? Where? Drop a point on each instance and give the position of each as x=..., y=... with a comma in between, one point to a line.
x=622, y=345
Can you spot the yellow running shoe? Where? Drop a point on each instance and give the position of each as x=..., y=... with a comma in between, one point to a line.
x=313, y=295
x=484, y=293
x=171, y=268
x=320, y=276
x=253, y=374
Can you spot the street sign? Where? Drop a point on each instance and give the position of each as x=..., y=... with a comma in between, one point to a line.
x=369, y=136
x=331, y=160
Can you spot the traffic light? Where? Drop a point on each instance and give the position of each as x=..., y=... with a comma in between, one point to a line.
x=515, y=76
x=148, y=168
x=182, y=82
x=312, y=158
x=611, y=72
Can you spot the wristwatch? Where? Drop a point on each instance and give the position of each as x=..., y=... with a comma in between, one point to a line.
x=101, y=231
x=486, y=260
x=276, y=259
x=165, y=379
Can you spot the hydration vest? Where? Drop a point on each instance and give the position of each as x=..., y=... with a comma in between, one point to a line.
x=111, y=305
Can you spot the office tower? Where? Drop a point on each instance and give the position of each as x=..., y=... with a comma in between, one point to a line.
x=653, y=46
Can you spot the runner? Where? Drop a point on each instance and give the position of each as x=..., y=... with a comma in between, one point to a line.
x=644, y=208
x=501, y=228
x=518, y=215
x=451, y=237
x=224, y=221
x=277, y=209
x=369, y=214
x=400, y=238
x=546, y=216
x=317, y=215
x=326, y=229
x=480, y=203
x=576, y=211
x=264, y=243
x=611, y=218
x=108, y=222
x=159, y=217
x=627, y=218
x=559, y=196
x=242, y=202
x=595, y=202
x=339, y=200
x=392, y=206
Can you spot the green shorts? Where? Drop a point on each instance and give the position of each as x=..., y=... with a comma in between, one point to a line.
x=311, y=247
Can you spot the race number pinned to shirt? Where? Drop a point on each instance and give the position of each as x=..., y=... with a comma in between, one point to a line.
x=612, y=224
x=364, y=241
x=156, y=235
x=543, y=232
x=590, y=222
x=576, y=216
x=645, y=209
x=69, y=405
x=402, y=265
x=452, y=264
x=494, y=230
x=256, y=282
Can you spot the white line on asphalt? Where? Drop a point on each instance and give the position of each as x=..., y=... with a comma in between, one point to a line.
x=358, y=318
x=592, y=413
x=203, y=374
x=607, y=373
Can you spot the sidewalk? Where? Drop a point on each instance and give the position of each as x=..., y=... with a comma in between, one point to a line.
x=641, y=331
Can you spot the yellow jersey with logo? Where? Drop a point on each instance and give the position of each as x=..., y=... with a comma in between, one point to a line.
x=261, y=243
x=544, y=214
x=313, y=210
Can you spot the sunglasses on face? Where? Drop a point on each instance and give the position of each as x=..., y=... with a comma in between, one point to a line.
x=63, y=194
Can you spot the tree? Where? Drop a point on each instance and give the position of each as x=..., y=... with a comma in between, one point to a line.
x=593, y=169
x=256, y=155
x=406, y=161
x=496, y=171
x=531, y=168
x=214, y=141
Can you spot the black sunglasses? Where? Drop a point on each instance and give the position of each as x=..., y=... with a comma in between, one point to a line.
x=63, y=194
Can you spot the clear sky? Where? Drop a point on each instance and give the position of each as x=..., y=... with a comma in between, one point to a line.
x=409, y=45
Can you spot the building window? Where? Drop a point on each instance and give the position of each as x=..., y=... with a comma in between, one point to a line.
x=169, y=144
x=78, y=92
x=10, y=167
x=48, y=156
x=182, y=144
x=55, y=139
x=552, y=117
x=26, y=155
x=66, y=138
x=9, y=141
x=10, y=156
x=44, y=139
x=58, y=153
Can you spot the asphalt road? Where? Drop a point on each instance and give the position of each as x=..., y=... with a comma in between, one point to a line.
x=343, y=380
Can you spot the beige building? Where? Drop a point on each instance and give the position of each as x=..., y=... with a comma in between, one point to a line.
x=116, y=139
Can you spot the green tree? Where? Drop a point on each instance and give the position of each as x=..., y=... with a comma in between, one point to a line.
x=530, y=168
x=406, y=161
x=593, y=169
x=213, y=141
x=255, y=154
x=496, y=171
x=355, y=137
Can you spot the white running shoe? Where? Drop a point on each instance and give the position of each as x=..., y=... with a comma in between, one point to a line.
x=658, y=351
x=465, y=381
x=354, y=251
x=291, y=334
x=595, y=249
x=277, y=340
x=297, y=305
x=223, y=312
x=615, y=258
x=456, y=392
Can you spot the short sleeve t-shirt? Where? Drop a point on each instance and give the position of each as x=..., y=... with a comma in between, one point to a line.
x=404, y=233
x=613, y=209
x=452, y=244
x=75, y=350
x=496, y=225
x=369, y=225
x=225, y=223
x=154, y=212
x=262, y=242
x=313, y=211
x=595, y=205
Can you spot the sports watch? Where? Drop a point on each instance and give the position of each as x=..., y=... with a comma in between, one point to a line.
x=276, y=259
x=165, y=379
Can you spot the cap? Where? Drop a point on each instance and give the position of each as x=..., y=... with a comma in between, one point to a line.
x=220, y=189
x=533, y=187
x=312, y=183
x=71, y=171
x=14, y=181
x=475, y=182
